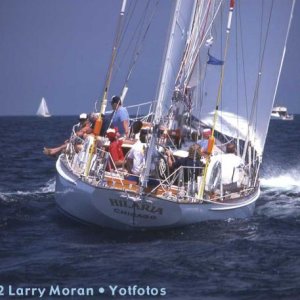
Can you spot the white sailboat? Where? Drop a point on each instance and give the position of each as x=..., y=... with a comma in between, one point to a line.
x=43, y=110
x=221, y=71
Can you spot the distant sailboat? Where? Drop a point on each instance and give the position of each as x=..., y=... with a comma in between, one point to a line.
x=43, y=110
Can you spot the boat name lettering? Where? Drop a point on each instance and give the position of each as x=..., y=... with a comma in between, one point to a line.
x=138, y=205
x=131, y=214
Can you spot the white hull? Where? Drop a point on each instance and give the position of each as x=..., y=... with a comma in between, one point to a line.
x=284, y=118
x=44, y=116
x=281, y=113
x=112, y=208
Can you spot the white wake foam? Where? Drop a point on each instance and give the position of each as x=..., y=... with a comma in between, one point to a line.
x=48, y=187
x=287, y=181
x=281, y=195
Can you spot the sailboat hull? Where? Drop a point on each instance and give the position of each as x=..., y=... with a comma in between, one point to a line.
x=276, y=116
x=117, y=209
x=44, y=116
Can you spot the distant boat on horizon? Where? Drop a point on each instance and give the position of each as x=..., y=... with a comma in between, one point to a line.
x=43, y=110
x=281, y=113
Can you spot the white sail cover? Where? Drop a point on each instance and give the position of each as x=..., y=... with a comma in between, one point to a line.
x=43, y=110
x=252, y=67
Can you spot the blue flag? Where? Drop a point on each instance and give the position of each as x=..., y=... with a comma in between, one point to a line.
x=214, y=61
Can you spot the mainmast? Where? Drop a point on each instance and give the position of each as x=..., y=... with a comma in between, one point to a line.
x=99, y=121
x=180, y=29
x=98, y=124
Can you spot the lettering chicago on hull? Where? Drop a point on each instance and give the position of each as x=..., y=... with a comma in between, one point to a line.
x=141, y=206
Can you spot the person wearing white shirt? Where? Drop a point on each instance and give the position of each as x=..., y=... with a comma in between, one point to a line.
x=137, y=155
x=136, y=158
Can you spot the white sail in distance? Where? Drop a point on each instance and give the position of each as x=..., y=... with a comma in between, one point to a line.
x=43, y=110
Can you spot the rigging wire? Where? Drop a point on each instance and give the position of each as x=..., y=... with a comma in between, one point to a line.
x=136, y=33
x=243, y=58
x=196, y=40
x=138, y=38
x=204, y=29
x=237, y=83
x=129, y=17
x=201, y=190
x=213, y=33
x=114, y=53
x=99, y=121
x=139, y=45
x=254, y=106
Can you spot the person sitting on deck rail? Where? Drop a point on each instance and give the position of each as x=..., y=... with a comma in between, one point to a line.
x=83, y=130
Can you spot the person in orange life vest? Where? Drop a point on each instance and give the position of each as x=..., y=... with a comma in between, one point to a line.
x=115, y=148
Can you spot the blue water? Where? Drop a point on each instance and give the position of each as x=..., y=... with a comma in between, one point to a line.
x=257, y=258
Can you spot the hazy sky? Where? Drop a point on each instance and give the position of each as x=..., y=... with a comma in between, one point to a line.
x=60, y=49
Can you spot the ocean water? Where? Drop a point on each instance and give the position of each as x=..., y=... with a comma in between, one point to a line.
x=45, y=255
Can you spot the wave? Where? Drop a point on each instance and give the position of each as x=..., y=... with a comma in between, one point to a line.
x=286, y=181
x=280, y=198
x=279, y=207
x=47, y=188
